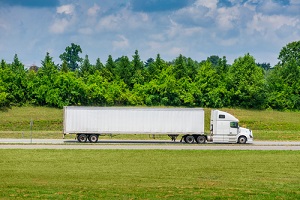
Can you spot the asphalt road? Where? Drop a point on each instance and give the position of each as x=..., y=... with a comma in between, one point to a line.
x=141, y=144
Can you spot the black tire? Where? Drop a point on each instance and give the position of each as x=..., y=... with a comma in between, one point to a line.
x=201, y=139
x=189, y=139
x=242, y=140
x=82, y=138
x=93, y=138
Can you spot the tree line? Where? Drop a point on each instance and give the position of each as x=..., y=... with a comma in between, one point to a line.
x=131, y=82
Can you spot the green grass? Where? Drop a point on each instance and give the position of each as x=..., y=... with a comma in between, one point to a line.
x=149, y=174
x=48, y=123
x=19, y=118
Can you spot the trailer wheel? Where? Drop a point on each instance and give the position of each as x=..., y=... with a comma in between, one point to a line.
x=189, y=139
x=242, y=140
x=93, y=138
x=201, y=139
x=82, y=138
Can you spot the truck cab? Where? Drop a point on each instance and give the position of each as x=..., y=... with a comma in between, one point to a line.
x=224, y=128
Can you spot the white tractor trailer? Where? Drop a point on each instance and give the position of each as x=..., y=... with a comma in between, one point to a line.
x=88, y=123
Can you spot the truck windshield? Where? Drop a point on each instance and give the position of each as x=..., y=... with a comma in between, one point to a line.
x=234, y=124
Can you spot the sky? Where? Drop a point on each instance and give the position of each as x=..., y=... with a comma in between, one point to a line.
x=193, y=28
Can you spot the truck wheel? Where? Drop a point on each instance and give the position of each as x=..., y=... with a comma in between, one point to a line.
x=189, y=139
x=201, y=139
x=93, y=138
x=82, y=138
x=242, y=140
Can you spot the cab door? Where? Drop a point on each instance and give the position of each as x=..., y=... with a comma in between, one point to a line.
x=233, y=131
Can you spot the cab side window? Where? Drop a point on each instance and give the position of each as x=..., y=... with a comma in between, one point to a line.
x=221, y=116
x=234, y=125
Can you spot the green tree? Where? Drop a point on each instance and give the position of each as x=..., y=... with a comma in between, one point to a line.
x=265, y=66
x=155, y=68
x=67, y=90
x=99, y=66
x=138, y=76
x=162, y=90
x=220, y=64
x=33, y=68
x=210, y=89
x=4, y=102
x=48, y=68
x=42, y=90
x=71, y=56
x=14, y=82
x=125, y=70
x=214, y=60
x=148, y=62
x=64, y=67
x=96, y=89
x=16, y=65
x=192, y=68
x=117, y=93
x=180, y=68
x=86, y=67
x=104, y=71
x=3, y=96
x=290, y=53
x=283, y=81
x=110, y=68
x=136, y=62
x=2, y=64
x=246, y=83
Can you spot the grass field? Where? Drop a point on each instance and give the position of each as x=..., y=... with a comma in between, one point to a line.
x=149, y=174
x=48, y=123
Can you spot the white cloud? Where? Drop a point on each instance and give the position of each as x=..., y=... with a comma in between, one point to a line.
x=269, y=7
x=104, y=27
x=59, y=25
x=228, y=18
x=65, y=9
x=110, y=23
x=124, y=20
x=268, y=24
x=93, y=10
x=212, y=4
x=62, y=23
x=122, y=43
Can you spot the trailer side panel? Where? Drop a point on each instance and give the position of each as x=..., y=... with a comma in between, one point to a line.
x=123, y=120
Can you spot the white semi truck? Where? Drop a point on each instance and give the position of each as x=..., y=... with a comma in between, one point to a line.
x=88, y=123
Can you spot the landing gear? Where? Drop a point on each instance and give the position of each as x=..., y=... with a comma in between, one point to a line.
x=173, y=137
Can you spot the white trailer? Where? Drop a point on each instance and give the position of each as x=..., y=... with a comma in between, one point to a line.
x=88, y=123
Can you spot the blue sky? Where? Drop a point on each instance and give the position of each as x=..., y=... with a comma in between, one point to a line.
x=193, y=28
